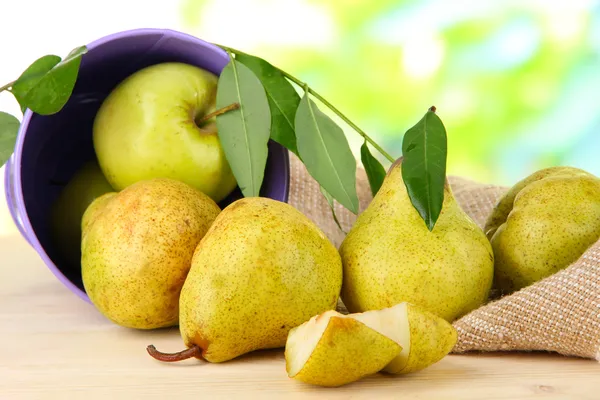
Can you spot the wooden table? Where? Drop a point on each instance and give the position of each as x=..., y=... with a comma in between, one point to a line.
x=54, y=345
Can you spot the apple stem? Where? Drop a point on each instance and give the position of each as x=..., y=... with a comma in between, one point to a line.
x=220, y=111
x=328, y=104
x=193, y=351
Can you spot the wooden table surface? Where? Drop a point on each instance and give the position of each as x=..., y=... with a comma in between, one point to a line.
x=54, y=345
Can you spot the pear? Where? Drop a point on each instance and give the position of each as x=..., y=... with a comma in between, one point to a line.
x=390, y=256
x=137, y=248
x=542, y=224
x=505, y=203
x=330, y=350
x=87, y=184
x=262, y=269
x=325, y=351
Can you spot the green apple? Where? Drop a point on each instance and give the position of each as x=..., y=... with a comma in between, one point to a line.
x=150, y=126
x=83, y=188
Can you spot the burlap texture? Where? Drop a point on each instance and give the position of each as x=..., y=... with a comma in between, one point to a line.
x=560, y=313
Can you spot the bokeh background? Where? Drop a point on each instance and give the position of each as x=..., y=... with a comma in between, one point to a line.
x=515, y=82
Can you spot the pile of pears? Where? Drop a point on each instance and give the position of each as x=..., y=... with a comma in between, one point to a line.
x=259, y=274
x=158, y=251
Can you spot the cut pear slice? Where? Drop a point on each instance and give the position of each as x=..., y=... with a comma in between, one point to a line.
x=333, y=350
x=330, y=350
x=425, y=338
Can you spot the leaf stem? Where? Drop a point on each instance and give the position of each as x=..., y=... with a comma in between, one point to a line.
x=231, y=107
x=7, y=86
x=307, y=88
x=340, y=114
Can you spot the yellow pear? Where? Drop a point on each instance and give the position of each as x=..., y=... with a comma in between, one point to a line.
x=137, y=248
x=326, y=351
x=262, y=269
x=330, y=350
x=390, y=256
x=543, y=224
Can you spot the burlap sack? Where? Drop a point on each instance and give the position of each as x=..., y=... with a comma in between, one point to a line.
x=560, y=313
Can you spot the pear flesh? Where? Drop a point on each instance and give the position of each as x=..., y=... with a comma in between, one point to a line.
x=315, y=348
x=262, y=269
x=543, y=224
x=137, y=246
x=390, y=256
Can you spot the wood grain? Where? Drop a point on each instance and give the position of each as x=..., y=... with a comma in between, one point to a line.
x=55, y=346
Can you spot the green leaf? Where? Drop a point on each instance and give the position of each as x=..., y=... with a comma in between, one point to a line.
x=424, y=151
x=373, y=168
x=31, y=76
x=45, y=87
x=9, y=127
x=244, y=133
x=331, y=206
x=283, y=100
x=326, y=154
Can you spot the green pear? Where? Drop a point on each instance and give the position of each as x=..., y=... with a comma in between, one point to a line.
x=542, y=225
x=137, y=249
x=330, y=350
x=390, y=256
x=152, y=126
x=325, y=351
x=87, y=184
x=505, y=204
x=262, y=269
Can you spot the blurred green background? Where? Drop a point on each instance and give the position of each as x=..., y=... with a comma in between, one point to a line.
x=515, y=82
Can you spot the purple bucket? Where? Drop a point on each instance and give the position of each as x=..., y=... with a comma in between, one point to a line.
x=50, y=149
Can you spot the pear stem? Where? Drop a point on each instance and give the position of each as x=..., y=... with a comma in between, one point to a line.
x=193, y=351
x=220, y=111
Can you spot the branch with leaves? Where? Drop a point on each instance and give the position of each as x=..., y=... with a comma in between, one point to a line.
x=257, y=102
x=44, y=88
x=299, y=125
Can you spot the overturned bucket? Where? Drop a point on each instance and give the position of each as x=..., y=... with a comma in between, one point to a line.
x=50, y=149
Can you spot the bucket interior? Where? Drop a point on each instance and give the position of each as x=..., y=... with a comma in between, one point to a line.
x=56, y=146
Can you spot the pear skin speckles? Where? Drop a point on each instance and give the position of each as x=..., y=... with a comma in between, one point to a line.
x=137, y=250
x=347, y=351
x=548, y=221
x=431, y=339
x=390, y=256
x=262, y=269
